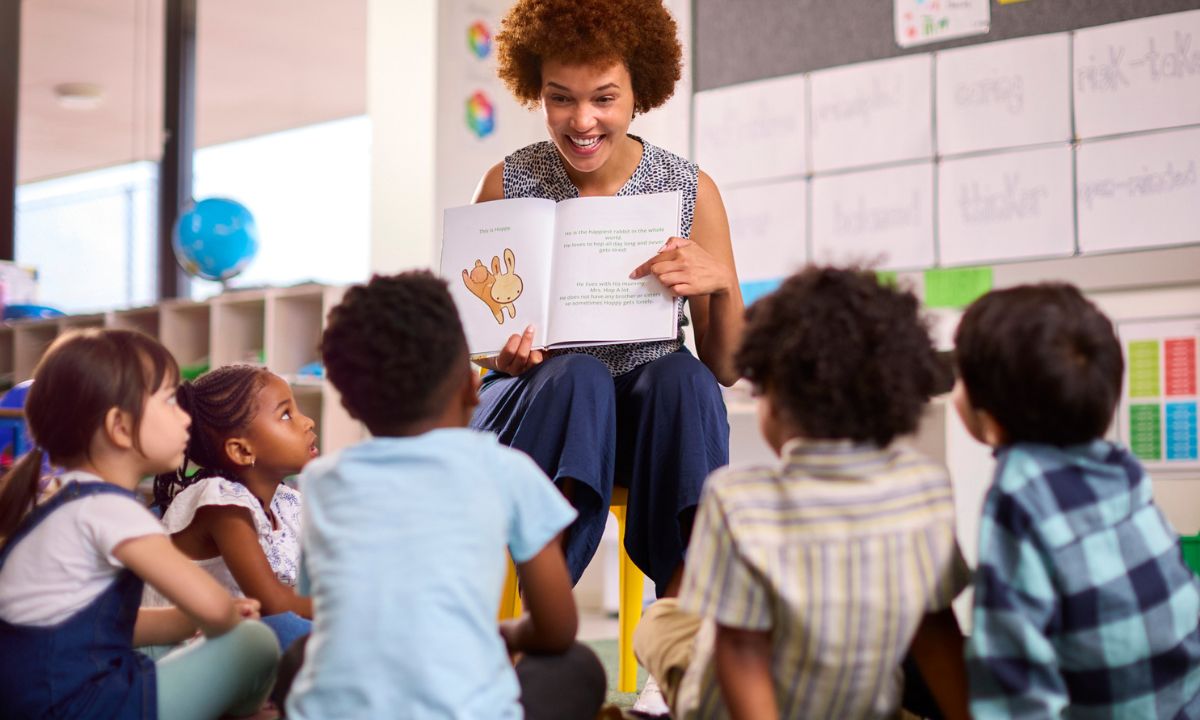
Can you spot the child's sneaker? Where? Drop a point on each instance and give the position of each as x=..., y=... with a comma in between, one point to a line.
x=650, y=702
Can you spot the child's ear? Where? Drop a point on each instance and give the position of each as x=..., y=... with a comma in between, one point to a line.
x=239, y=451
x=118, y=427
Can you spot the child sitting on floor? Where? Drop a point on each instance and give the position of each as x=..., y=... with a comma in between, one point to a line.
x=405, y=536
x=234, y=516
x=103, y=408
x=1083, y=604
x=807, y=581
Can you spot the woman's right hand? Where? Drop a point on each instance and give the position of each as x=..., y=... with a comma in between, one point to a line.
x=518, y=354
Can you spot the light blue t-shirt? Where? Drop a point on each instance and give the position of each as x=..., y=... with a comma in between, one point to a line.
x=404, y=542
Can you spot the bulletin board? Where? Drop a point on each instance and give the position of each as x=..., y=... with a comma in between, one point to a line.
x=1064, y=134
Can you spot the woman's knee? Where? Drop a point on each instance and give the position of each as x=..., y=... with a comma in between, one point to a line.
x=576, y=370
x=680, y=374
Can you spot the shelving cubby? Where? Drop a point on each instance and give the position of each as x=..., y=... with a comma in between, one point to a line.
x=238, y=328
x=143, y=319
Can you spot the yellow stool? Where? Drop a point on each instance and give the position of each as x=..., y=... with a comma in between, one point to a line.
x=630, y=611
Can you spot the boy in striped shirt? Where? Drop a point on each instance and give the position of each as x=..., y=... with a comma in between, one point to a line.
x=807, y=582
x=1084, y=607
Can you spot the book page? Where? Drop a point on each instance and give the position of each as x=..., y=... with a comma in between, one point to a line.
x=496, y=259
x=599, y=241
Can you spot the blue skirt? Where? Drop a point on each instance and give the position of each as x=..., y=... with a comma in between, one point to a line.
x=658, y=430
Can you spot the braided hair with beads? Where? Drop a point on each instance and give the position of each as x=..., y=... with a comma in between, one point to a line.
x=221, y=403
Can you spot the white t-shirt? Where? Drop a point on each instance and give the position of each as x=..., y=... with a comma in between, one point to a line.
x=280, y=544
x=65, y=562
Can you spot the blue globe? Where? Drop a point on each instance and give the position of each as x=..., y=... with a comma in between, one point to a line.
x=215, y=239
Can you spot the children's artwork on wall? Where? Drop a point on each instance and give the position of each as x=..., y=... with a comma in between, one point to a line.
x=498, y=290
x=1004, y=94
x=1004, y=206
x=925, y=21
x=1158, y=411
x=1137, y=75
x=752, y=132
x=1139, y=191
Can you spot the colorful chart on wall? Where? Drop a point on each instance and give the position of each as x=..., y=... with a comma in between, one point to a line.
x=924, y=21
x=1157, y=416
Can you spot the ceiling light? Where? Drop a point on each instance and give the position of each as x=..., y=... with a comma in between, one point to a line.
x=79, y=95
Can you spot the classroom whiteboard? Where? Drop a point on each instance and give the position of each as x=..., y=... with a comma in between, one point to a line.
x=1137, y=75
x=872, y=113
x=753, y=131
x=1139, y=191
x=1004, y=206
x=879, y=217
x=767, y=225
x=1003, y=95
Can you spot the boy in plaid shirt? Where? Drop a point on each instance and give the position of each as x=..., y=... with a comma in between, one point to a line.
x=1083, y=604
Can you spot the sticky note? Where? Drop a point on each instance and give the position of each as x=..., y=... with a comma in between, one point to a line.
x=956, y=287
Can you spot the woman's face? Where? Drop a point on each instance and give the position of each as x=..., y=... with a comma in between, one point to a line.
x=588, y=110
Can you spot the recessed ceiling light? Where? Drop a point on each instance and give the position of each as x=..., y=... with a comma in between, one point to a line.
x=79, y=95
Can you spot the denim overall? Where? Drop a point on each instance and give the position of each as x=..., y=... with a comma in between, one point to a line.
x=84, y=667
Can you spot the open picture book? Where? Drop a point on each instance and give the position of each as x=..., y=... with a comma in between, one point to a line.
x=562, y=267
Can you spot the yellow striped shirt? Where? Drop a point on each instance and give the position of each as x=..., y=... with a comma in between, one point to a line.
x=838, y=551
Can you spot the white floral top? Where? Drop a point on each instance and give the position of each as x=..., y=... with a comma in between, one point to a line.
x=281, y=544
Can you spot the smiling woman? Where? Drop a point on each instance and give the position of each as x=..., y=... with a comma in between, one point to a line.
x=645, y=415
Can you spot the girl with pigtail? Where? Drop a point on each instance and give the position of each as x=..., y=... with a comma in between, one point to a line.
x=102, y=407
x=233, y=515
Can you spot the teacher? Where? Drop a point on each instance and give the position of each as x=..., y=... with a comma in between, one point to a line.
x=650, y=414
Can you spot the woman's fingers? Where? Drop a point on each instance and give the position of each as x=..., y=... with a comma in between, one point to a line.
x=518, y=354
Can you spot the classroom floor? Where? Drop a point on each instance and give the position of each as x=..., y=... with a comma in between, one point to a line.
x=599, y=632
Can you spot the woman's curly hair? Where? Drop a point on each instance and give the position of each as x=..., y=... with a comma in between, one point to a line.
x=390, y=347
x=639, y=33
x=841, y=355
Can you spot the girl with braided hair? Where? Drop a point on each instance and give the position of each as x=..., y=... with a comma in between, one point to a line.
x=234, y=516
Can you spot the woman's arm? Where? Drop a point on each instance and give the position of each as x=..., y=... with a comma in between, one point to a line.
x=743, y=664
x=233, y=532
x=702, y=270
x=551, y=621
x=157, y=561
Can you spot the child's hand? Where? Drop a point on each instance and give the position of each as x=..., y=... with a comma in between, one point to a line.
x=247, y=608
x=509, y=630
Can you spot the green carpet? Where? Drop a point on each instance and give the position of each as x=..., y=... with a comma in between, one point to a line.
x=607, y=652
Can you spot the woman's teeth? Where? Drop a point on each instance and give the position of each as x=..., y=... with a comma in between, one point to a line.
x=585, y=142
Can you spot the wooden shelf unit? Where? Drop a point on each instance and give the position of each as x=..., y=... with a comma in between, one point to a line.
x=280, y=327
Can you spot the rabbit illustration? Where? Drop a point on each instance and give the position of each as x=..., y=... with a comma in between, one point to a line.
x=479, y=281
x=507, y=286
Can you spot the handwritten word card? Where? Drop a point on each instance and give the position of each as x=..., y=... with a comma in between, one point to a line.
x=1157, y=417
x=1004, y=94
x=752, y=131
x=1006, y=206
x=768, y=226
x=924, y=21
x=876, y=112
x=878, y=217
x=1137, y=192
x=1138, y=75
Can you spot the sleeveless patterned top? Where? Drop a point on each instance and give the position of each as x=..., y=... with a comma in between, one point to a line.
x=537, y=171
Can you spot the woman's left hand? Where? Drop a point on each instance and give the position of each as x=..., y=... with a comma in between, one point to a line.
x=687, y=269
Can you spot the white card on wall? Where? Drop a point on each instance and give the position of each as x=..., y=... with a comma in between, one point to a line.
x=753, y=131
x=1138, y=75
x=768, y=225
x=879, y=217
x=1004, y=94
x=924, y=21
x=872, y=113
x=1137, y=192
x=1006, y=206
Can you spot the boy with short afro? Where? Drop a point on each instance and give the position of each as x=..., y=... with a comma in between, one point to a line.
x=807, y=581
x=404, y=536
x=1084, y=607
